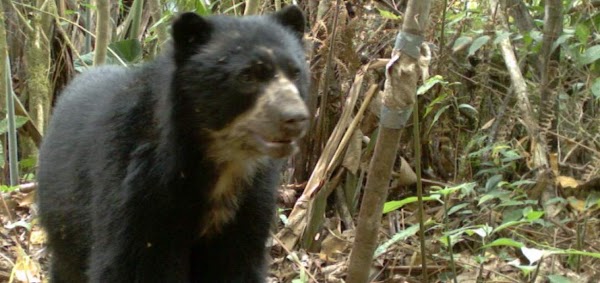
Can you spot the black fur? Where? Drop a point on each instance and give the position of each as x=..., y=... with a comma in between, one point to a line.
x=124, y=173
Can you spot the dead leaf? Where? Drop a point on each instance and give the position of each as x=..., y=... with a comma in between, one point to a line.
x=27, y=200
x=26, y=269
x=554, y=163
x=353, y=153
x=566, y=182
x=38, y=236
x=576, y=204
x=488, y=124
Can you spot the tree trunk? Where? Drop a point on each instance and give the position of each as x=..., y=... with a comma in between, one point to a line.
x=251, y=7
x=3, y=57
x=552, y=30
x=518, y=10
x=403, y=80
x=7, y=108
x=37, y=56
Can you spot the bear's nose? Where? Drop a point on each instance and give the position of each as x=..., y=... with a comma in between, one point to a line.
x=294, y=122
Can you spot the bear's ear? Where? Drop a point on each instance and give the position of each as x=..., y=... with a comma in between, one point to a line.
x=189, y=31
x=291, y=17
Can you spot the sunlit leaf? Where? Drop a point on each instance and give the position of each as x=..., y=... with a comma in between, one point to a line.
x=533, y=215
x=482, y=231
x=393, y=205
x=429, y=83
x=19, y=122
x=532, y=254
x=388, y=15
x=7, y=189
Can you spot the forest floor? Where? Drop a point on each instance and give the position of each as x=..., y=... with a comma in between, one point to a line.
x=24, y=258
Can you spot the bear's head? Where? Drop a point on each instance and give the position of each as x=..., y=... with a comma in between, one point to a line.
x=240, y=83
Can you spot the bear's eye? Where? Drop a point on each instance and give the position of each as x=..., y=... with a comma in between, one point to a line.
x=257, y=72
x=294, y=73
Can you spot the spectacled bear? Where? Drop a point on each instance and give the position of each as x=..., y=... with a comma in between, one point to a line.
x=167, y=172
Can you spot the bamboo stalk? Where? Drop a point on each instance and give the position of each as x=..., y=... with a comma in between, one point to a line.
x=102, y=31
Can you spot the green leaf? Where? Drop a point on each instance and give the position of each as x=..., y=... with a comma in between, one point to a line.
x=202, y=9
x=492, y=182
x=513, y=214
x=561, y=39
x=457, y=207
x=439, y=113
x=500, y=36
x=583, y=33
x=429, y=83
x=400, y=236
x=463, y=40
x=576, y=252
x=28, y=163
x=500, y=194
x=478, y=43
x=393, y=205
x=590, y=55
x=388, y=15
x=468, y=107
x=84, y=61
x=526, y=269
x=129, y=50
x=7, y=189
x=534, y=215
x=124, y=51
x=559, y=279
x=508, y=224
x=435, y=101
x=505, y=242
x=19, y=122
x=595, y=89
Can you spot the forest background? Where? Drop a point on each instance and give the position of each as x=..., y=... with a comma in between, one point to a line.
x=503, y=153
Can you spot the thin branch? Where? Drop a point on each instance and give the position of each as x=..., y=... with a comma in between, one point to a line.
x=102, y=31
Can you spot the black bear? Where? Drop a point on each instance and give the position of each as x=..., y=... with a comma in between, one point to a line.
x=167, y=172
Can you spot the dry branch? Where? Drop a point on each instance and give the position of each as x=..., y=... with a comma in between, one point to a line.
x=538, y=148
x=290, y=234
x=545, y=185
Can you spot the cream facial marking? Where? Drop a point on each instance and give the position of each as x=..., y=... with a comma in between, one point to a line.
x=270, y=128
